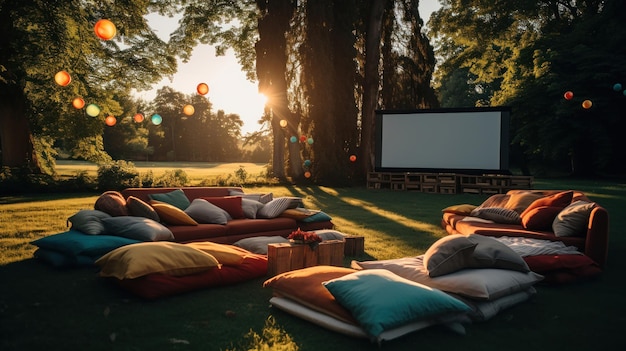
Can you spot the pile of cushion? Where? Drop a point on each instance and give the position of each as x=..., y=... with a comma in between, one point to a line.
x=459, y=279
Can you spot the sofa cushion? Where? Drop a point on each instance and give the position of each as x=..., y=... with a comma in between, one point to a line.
x=519, y=201
x=497, y=214
x=540, y=218
x=230, y=204
x=262, y=198
x=203, y=211
x=380, y=300
x=112, y=202
x=274, y=208
x=88, y=221
x=171, y=214
x=573, y=219
x=175, y=197
x=139, y=208
x=560, y=199
x=250, y=207
x=462, y=209
x=141, y=259
x=138, y=228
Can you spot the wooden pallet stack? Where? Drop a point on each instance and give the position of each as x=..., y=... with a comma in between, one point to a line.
x=448, y=183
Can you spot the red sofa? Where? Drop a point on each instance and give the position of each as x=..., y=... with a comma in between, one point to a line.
x=235, y=229
x=593, y=244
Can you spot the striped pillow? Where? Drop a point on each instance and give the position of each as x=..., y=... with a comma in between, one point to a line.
x=274, y=208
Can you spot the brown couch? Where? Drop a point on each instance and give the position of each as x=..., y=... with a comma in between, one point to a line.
x=594, y=243
x=235, y=229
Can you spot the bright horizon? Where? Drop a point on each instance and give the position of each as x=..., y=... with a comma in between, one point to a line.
x=229, y=89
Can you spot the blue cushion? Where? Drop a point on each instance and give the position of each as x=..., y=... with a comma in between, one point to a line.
x=318, y=217
x=60, y=260
x=75, y=243
x=175, y=197
x=381, y=300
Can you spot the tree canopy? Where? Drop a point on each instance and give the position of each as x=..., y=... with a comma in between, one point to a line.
x=527, y=54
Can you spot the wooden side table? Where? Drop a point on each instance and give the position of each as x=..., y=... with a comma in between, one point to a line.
x=355, y=245
x=285, y=257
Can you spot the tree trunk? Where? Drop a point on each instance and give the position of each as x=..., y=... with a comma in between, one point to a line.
x=16, y=139
x=371, y=83
x=271, y=62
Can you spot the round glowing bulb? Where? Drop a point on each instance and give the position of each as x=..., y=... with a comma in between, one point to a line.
x=587, y=104
x=156, y=119
x=138, y=117
x=105, y=29
x=188, y=110
x=202, y=89
x=92, y=110
x=62, y=78
x=352, y=158
x=78, y=103
x=283, y=123
x=110, y=121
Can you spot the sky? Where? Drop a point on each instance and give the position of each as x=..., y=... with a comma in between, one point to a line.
x=229, y=89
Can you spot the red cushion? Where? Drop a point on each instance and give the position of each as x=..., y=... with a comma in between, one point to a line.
x=113, y=203
x=561, y=200
x=559, y=269
x=157, y=285
x=230, y=204
x=540, y=218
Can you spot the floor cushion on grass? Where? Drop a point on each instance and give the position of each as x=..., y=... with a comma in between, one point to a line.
x=305, y=287
x=75, y=243
x=60, y=260
x=259, y=244
x=483, y=310
x=561, y=269
x=153, y=286
x=476, y=283
x=297, y=309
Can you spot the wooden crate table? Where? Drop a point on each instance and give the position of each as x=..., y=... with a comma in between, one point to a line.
x=285, y=257
x=355, y=245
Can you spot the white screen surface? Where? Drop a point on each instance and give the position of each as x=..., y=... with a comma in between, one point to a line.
x=455, y=140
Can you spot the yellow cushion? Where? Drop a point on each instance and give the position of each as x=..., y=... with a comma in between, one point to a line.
x=463, y=209
x=171, y=214
x=225, y=254
x=136, y=260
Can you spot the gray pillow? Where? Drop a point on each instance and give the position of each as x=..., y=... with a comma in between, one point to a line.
x=259, y=244
x=329, y=234
x=491, y=253
x=262, y=198
x=203, y=211
x=573, y=219
x=250, y=207
x=89, y=221
x=497, y=214
x=449, y=254
x=138, y=228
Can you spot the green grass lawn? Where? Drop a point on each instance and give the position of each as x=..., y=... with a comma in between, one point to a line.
x=45, y=308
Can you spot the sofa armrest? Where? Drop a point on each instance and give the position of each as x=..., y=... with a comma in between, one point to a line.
x=597, y=240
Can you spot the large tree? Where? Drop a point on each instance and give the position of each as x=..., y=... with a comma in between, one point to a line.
x=39, y=38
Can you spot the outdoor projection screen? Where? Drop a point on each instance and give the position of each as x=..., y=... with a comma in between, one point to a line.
x=443, y=140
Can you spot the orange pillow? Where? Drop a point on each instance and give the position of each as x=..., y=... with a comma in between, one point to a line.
x=560, y=200
x=540, y=218
x=305, y=287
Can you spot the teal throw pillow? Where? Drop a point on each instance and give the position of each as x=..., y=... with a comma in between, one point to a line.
x=381, y=300
x=175, y=198
x=75, y=243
